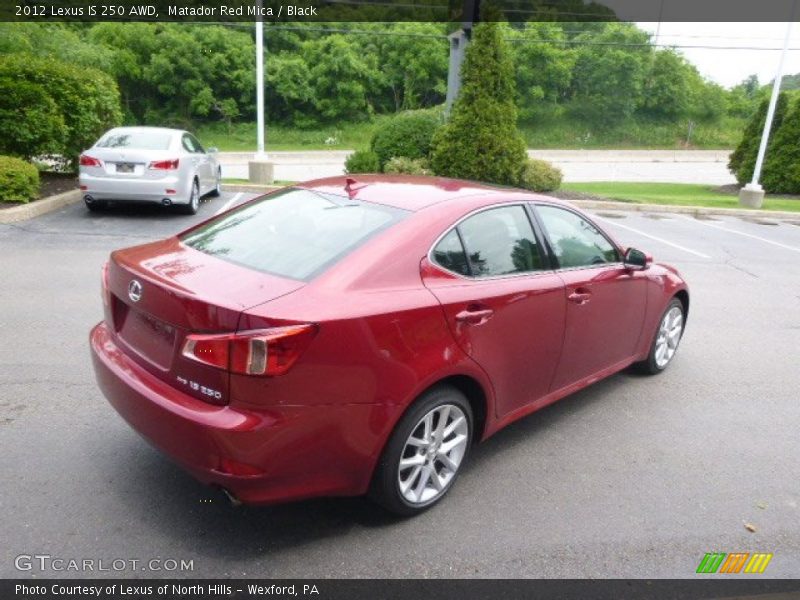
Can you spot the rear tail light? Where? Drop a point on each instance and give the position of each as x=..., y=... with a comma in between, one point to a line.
x=265, y=352
x=164, y=165
x=90, y=161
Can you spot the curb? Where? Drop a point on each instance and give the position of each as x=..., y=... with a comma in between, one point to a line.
x=250, y=187
x=687, y=210
x=39, y=207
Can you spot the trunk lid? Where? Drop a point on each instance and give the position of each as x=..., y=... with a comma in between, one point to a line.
x=163, y=291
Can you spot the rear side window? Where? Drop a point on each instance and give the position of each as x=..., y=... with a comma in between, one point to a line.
x=139, y=140
x=450, y=254
x=497, y=241
x=296, y=233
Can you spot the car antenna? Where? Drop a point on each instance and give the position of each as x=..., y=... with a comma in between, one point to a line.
x=352, y=185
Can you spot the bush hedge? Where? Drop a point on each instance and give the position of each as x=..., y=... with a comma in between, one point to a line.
x=362, y=161
x=19, y=180
x=407, y=134
x=52, y=108
x=541, y=176
x=407, y=166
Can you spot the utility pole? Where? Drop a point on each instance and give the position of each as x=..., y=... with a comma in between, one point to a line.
x=458, y=45
x=260, y=170
x=752, y=194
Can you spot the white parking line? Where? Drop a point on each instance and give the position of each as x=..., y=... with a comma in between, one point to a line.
x=229, y=203
x=750, y=235
x=652, y=237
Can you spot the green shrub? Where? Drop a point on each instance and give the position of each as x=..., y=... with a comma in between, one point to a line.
x=31, y=124
x=781, y=174
x=481, y=140
x=541, y=176
x=407, y=134
x=743, y=160
x=362, y=161
x=19, y=180
x=407, y=166
x=79, y=103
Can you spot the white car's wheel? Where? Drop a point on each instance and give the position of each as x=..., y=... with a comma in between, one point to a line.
x=194, y=200
x=218, y=186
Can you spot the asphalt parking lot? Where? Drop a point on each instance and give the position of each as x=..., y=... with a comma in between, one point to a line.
x=633, y=477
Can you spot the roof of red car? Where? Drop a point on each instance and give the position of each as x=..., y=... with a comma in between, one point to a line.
x=409, y=192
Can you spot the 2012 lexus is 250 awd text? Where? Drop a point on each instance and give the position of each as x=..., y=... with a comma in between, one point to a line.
x=347, y=337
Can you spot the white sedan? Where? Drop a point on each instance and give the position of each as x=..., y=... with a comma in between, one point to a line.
x=149, y=164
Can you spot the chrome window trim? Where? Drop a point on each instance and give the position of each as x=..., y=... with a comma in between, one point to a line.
x=521, y=204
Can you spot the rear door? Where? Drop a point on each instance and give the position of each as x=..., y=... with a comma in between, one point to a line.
x=605, y=302
x=504, y=305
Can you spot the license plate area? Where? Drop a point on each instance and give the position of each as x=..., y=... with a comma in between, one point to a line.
x=126, y=167
x=149, y=337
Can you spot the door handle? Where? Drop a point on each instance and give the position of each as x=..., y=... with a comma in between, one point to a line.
x=474, y=317
x=580, y=296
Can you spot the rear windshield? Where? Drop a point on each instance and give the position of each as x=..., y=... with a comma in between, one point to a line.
x=142, y=140
x=296, y=233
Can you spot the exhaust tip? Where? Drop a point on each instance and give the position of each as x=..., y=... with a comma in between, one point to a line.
x=166, y=202
x=231, y=498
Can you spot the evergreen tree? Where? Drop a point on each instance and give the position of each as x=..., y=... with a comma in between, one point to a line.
x=481, y=140
x=743, y=160
x=781, y=173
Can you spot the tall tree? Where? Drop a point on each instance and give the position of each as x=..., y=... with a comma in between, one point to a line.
x=481, y=140
x=743, y=160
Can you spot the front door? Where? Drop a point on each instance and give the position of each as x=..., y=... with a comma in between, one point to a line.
x=605, y=302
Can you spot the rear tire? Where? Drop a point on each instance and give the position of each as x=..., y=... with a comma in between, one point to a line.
x=217, y=191
x=666, y=339
x=194, y=200
x=426, y=451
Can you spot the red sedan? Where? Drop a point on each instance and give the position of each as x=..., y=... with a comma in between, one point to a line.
x=346, y=337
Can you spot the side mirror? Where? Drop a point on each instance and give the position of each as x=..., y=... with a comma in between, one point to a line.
x=212, y=150
x=636, y=259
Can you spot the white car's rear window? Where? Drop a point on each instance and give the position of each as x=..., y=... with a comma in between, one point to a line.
x=139, y=140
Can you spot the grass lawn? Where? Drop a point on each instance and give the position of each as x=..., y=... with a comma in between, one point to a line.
x=564, y=133
x=679, y=194
x=241, y=137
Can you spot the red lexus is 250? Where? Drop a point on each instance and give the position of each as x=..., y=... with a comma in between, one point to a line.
x=348, y=337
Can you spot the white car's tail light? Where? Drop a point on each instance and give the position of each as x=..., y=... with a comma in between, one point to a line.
x=90, y=161
x=164, y=165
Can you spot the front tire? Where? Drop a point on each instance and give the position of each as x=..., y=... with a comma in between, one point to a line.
x=425, y=453
x=666, y=340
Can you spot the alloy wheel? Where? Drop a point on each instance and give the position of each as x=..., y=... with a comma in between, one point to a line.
x=432, y=454
x=669, y=335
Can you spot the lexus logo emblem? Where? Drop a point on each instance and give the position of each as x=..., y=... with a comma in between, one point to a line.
x=134, y=290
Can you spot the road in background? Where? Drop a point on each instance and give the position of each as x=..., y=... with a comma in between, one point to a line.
x=633, y=477
x=666, y=166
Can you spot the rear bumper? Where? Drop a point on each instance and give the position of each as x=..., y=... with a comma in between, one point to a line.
x=136, y=190
x=260, y=456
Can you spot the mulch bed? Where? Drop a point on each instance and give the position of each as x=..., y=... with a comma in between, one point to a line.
x=50, y=184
